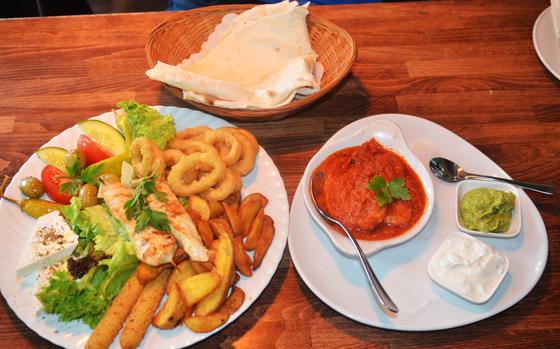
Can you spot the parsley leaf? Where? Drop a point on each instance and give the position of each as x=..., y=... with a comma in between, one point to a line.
x=386, y=193
x=90, y=174
x=137, y=207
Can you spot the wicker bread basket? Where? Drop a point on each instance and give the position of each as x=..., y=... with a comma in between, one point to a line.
x=184, y=33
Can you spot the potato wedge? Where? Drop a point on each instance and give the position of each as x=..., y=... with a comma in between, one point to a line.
x=234, y=219
x=146, y=273
x=267, y=235
x=234, y=199
x=247, y=213
x=111, y=323
x=198, y=204
x=202, y=267
x=195, y=216
x=243, y=262
x=140, y=316
x=205, y=232
x=182, y=271
x=254, y=231
x=255, y=197
x=221, y=226
x=224, y=262
x=199, y=286
x=216, y=208
x=235, y=278
x=234, y=301
x=173, y=310
x=207, y=323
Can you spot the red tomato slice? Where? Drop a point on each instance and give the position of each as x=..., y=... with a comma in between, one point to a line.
x=92, y=150
x=52, y=178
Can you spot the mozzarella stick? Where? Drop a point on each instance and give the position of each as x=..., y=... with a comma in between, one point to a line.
x=112, y=321
x=143, y=311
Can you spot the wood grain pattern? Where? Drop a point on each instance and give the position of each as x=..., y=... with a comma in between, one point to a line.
x=468, y=65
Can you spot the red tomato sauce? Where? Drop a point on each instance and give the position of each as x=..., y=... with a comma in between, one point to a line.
x=345, y=195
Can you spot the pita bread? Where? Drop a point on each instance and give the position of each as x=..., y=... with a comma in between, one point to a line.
x=260, y=58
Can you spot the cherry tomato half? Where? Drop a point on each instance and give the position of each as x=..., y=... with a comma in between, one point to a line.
x=52, y=178
x=92, y=150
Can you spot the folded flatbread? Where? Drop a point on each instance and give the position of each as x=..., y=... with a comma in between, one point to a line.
x=260, y=58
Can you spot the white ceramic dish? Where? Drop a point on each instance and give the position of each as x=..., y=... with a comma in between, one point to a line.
x=478, y=293
x=423, y=306
x=546, y=43
x=389, y=135
x=468, y=185
x=16, y=228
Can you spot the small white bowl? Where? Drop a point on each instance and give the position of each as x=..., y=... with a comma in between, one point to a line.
x=449, y=267
x=468, y=185
x=390, y=136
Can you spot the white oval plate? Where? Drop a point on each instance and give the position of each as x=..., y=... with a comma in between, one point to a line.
x=16, y=228
x=339, y=281
x=390, y=136
x=546, y=43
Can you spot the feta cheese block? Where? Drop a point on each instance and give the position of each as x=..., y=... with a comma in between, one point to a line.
x=51, y=241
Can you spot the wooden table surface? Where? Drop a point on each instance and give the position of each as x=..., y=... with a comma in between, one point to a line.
x=469, y=66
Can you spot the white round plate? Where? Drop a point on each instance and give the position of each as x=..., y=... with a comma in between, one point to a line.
x=339, y=281
x=16, y=228
x=546, y=43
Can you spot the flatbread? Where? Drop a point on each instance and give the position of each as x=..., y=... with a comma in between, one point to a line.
x=261, y=58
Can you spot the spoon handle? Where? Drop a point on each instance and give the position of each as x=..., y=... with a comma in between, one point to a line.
x=380, y=294
x=541, y=188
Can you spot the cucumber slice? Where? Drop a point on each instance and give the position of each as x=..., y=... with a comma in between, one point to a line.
x=54, y=156
x=106, y=135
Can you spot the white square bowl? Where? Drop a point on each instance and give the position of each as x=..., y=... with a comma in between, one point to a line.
x=468, y=185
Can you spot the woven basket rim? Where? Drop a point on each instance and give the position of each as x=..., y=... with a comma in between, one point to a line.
x=253, y=114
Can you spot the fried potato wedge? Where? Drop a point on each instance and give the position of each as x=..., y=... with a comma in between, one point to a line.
x=205, y=323
x=216, y=208
x=199, y=286
x=199, y=205
x=243, y=262
x=234, y=301
x=140, y=316
x=182, y=271
x=255, y=197
x=255, y=231
x=234, y=219
x=221, y=226
x=111, y=323
x=205, y=232
x=224, y=262
x=247, y=214
x=173, y=310
x=146, y=273
x=267, y=235
x=202, y=267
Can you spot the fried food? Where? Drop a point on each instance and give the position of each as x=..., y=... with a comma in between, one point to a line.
x=111, y=323
x=205, y=232
x=247, y=213
x=173, y=310
x=248, y=157
x=243, y=262
x=146, y=157
x=226, y=143
x=246, y=133
x=187, y=163
x=233, y=218
x=234, y=301
x=200, y=205
x=196, y=132
x=230, y=183
x=146, y=273
x=255, y=231
x=199, y=286
x=267, y=235
x=140, y=316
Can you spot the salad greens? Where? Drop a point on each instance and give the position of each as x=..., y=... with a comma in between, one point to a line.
x=89, y=297
x=139, y=120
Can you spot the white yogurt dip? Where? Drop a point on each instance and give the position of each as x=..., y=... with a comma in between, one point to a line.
x=468, y=267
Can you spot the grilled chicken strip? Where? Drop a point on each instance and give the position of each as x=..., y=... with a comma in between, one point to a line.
x=182, y=226
x=152, y=246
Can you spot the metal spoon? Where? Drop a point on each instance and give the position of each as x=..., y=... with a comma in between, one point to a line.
x=449, y=171
x=382, y=297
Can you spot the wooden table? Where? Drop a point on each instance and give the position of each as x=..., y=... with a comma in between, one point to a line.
x=470, y=66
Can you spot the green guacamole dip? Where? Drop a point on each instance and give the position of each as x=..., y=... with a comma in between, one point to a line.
x=487, y=210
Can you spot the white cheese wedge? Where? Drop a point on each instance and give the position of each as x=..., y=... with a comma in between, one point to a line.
x=52, y=240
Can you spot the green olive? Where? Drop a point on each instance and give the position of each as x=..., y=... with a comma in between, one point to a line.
x=109, y=178
x=74, y=157
x=31, y=187
x=88, y=195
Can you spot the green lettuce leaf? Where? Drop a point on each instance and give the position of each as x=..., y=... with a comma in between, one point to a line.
x=143, y=121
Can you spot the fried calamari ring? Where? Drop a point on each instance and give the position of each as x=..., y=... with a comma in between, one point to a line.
x=180, y=179
x=230, y=183
x=192, y=146
x=226, y=143
x=193, y=133
x=245, y=133
x=248, y=155
x=172, y=156
x=146, y=157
